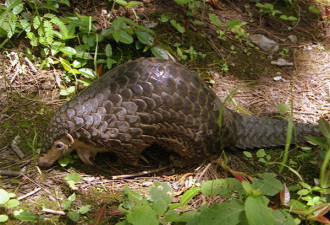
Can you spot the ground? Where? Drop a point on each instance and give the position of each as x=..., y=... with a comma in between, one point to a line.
x=29, y=96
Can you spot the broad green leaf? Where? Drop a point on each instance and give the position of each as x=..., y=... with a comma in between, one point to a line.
x=257, y=211
x=292, y=18
x=67, y=205
x=283, y=108
x=163, y=191
x=282, y=217
x=25, y=216
x=188, y=195
x=225, y=187
x=324, y=128
x=4, y=197
x=182, y=2
x=77, y=63
x=303, y=192
x=142, y=215
x=268, y=184
x=119, y=23
x=121, y=2
x=247, y=154
x=18, y=9
x=125, y=38
x=160, y=206
x=132, y=195
x=261, y=153
x=74, y=216
x=314, y=10
x=12, y=203
x=110, y=62
x=215, y=20
x=75, y=177
x=159, y=52
x=108, y=50
x=177, y=26
x=232, y=23
x=165, y=17
x=88, y=73
x=145, y=38
x=72, y=197
x=133, y=3
x=229, y=213
x=3, y=218
x=68, y=50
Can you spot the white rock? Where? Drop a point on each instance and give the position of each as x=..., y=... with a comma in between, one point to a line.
x=264, y=43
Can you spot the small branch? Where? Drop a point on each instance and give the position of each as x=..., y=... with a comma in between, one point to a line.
x=16, y=149
x=53, y=212
x=139, y=173
x=10, y=173
x=30, y=65
x=28, y=194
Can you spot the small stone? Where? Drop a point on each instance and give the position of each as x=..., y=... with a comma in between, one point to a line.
x=293, y=38
x=281, y=62
x=264, y=43
x=147, y=184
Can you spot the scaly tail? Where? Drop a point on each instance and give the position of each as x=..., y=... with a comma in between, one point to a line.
x=252, y=132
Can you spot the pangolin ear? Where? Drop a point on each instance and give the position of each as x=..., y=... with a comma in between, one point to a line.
x=70, y=139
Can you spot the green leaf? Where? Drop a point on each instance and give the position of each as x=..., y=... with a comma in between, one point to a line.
x=247, y=187
x=269, y=185
x=74, y=216
x=178, y=26
x=121, y=2
x=132, y=195
x=142, y=215
x=284, y=17
x=119, y=23
x=68, y=50
x=124, y=37
x=3, y=218
x=324, y=128
x=159, y=52
x=225, y=187
x=160, y=206
x=108, y=50
x=88, y=73
x=188, y=195
x=257, y=212
x=228, y=213
x=165, y=17
x=283, y=108
x=303, y=192
x=261, y=153
x=72, y=197
x=12, y=203
x=247, y=154
x=215, y=20
x=181, y=2
x=67, y=205
x=145, y=38
x=18, y=9
x=26, y=216
x=133, y=3
x=282, y=217
x=163, y=191
x=84, y=209
x=74, y=177
x=314, y=10
x=4, y=197
x=232, y=23
x=292, y=18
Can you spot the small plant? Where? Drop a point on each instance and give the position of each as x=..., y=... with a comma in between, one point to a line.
x=8, y=203
x=260, y=154
x=75, y=215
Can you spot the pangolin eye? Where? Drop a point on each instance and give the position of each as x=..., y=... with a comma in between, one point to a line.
x=59, y=145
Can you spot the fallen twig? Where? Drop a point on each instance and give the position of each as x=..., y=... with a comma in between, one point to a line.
x=16, y=149
x=53, y=212
x=28, y=194
x=139, y=173
x=10, y=173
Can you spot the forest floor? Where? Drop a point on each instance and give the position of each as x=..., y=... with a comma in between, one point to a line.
x=29, y=96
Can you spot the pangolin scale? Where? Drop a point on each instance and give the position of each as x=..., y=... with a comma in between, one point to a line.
x=152, y=100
